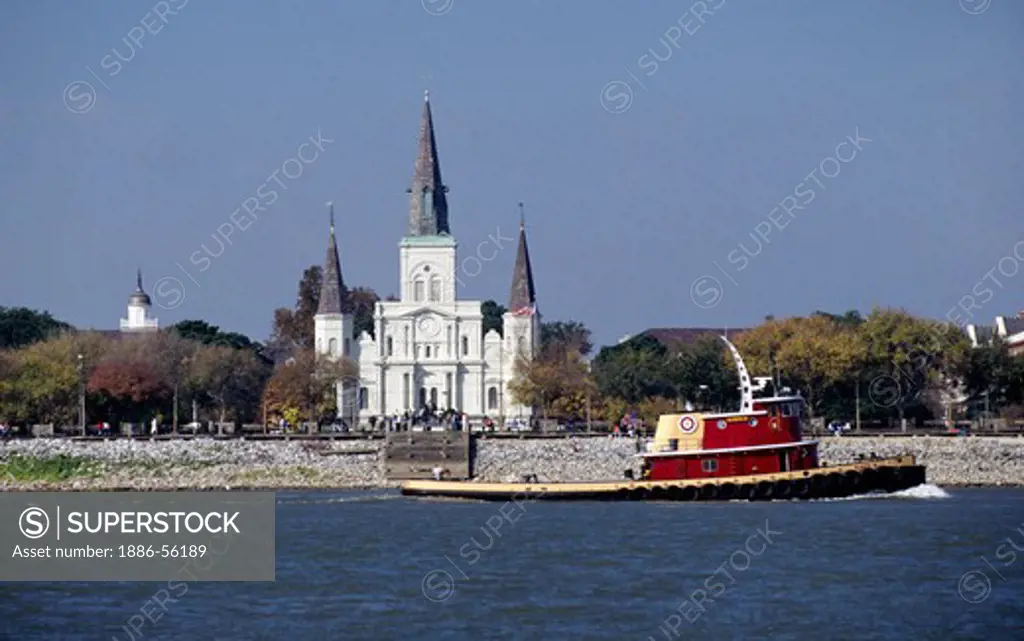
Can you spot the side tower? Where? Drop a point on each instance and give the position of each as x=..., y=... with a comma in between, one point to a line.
x=332, y=324
x=427, y=252
x=521, y=323
x=139, y=304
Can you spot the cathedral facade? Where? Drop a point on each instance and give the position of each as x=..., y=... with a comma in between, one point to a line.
x=428, y=349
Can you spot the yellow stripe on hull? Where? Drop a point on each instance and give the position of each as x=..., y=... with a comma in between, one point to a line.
x=884, y=474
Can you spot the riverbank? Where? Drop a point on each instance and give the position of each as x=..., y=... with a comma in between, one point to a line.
x=202, y=464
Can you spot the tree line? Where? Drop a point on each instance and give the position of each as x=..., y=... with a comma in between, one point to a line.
x=892, y=364
x=192, y=370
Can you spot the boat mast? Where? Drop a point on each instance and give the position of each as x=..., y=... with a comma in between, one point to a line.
x=746, y=393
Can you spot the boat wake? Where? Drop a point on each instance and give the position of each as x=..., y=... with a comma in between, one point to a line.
x=925, y=491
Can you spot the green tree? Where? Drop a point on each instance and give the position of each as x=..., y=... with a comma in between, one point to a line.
x=362, y=301
x=568, y=336
x=634, y=370
x=493, y=314
x=20, y=326
x=202, y=332
x=703, y=373
x=233, y=379
x=994, y=375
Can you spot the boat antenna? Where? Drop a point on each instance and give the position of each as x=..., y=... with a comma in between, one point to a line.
x=746, y=393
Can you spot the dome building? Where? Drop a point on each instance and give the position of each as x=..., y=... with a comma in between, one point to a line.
x=139, y=305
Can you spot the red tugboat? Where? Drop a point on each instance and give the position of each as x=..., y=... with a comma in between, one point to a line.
x=764, y=437
x=756, y=453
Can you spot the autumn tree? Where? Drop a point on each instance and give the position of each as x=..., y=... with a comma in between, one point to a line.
x=293, y=328
x=130, y=382
x=41, y=383
x=811, y=355
x=306, y=384
x=907, y=355
x=558, y=383
x=557, y=379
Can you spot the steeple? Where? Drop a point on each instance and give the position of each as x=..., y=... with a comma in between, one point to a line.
x=523, y=297
x=428, y=204
x=139, y=297
x=138, y=319
x=332, y=288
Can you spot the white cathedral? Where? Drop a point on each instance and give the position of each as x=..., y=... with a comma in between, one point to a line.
x=428, y=349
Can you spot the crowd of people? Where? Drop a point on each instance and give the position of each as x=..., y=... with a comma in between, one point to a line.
x=430, y=417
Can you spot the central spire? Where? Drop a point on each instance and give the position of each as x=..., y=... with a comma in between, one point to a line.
x=428, y=203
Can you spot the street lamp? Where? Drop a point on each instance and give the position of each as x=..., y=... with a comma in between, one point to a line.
x=177, y=383
x=81, y=393
x=702, y=390
x=590, y=371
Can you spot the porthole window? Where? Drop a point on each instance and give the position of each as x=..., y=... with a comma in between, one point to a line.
x=709, y=465
x=721, y=424
x=753, y=422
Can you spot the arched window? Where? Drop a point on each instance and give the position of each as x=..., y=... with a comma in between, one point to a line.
x=433, y=397
x=391, y=346
x=492, y=398
x=521, y=344
x=364, y=398
x=332, y=346
x=423, y=398
x=465, y=345
x=435, y=289
x=417, y=291
x=427, y=351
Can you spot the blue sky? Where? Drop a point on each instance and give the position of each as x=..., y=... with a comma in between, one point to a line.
x=633, y=201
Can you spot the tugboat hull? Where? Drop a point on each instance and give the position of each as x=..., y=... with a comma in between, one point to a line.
x=884, y=475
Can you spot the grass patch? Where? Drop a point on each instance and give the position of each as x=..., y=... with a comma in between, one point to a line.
x=59, y=468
